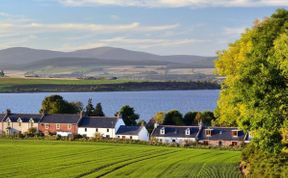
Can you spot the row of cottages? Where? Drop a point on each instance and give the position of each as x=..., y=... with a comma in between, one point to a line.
x=71, y=124
x=214, y=136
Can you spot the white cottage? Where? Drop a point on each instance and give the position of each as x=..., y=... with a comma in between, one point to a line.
x=133, y=133
x=107, y=127
x=176, y=134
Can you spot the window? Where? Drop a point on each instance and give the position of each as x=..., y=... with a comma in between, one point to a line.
x=107, y=136
x=162, y=131
x=235, y=133
x=206, y=143
x=107, y=130
x=69, y=126
x=123, y=137
x=234, y=143
x=57, y=126
x=85, y=129
x=118, y=136
x=173, y=140
x=8, y=123
x=160, y=140
x=131, y=137
x=31, y=124
x=46, y=126
x=208, y=132
x=96, y=129
x=187, y=132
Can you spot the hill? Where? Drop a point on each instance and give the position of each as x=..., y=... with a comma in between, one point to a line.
x=105, y=62
x=80, y=159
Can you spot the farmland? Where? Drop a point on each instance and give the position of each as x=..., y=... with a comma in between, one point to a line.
x=28, y=158
x=68, y=85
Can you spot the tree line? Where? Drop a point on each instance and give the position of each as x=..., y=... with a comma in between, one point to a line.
x=56, y=104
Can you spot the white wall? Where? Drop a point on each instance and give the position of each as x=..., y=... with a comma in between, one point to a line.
x=91, y=132
x=143, y=134
x=177, y=140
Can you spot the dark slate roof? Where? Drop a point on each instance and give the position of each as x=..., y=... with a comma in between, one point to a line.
x=2, y=117
x=221, y=133
x=61, y=118
x=175, y=131
x=98, y=122
x=128, y=130
x=24, y=117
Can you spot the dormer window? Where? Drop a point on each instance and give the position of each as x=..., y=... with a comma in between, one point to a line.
x=19, y=121
x=162, y=131
x=8, y=123
x=187, y=131
x=208, y=132
x=235, y=133
x=31, y=121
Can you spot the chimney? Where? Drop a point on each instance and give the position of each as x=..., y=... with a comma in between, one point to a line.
x=156, y=125
x=119, y=115
x=200, y=124
x=8, y=112
x=82, y=114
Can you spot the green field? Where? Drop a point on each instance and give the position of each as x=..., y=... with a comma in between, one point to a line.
x=77, y=159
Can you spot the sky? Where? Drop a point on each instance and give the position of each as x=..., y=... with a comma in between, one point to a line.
x=165, y=27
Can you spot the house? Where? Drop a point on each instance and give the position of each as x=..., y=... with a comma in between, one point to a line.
x=60, y=124
x=221, y=136
x=107, y=127
x=2, y=117
x=14, y=123
x=176, y=134
x=133, y=133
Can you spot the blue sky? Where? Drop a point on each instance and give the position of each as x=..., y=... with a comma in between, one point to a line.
x=199, y=27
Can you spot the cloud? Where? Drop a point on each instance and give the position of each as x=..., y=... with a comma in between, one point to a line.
x=234, y=30
x=72, y=27
x=141, y=43
x=177, y=3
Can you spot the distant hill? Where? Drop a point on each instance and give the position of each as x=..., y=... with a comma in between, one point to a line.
x=104, y=62
x=21, y=58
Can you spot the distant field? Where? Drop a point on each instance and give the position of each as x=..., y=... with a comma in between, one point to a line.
x=16, y=85
x=23, y=81
x=75, y=159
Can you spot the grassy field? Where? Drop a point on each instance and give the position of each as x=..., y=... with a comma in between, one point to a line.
x=76, y=159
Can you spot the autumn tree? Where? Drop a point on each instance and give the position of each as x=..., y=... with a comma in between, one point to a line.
x=254, y=94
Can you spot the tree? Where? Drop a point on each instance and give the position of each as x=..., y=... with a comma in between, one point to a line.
x=2, y=74
x=98, y=110
x=207, y=118
x=89, y=107
x=128, y=115
x=254, y=94
x=56, y=104
x=159, y=117
x=173, y=117
x=198, y=117
x=189, y=118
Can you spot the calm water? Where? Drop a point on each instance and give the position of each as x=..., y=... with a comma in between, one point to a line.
x=146, y=103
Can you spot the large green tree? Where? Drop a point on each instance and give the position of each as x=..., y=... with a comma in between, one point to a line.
x=56, y=104
x=89, y=109
x=254, y=94
x=128, y=115
x=98, y=111
x=173, y=117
